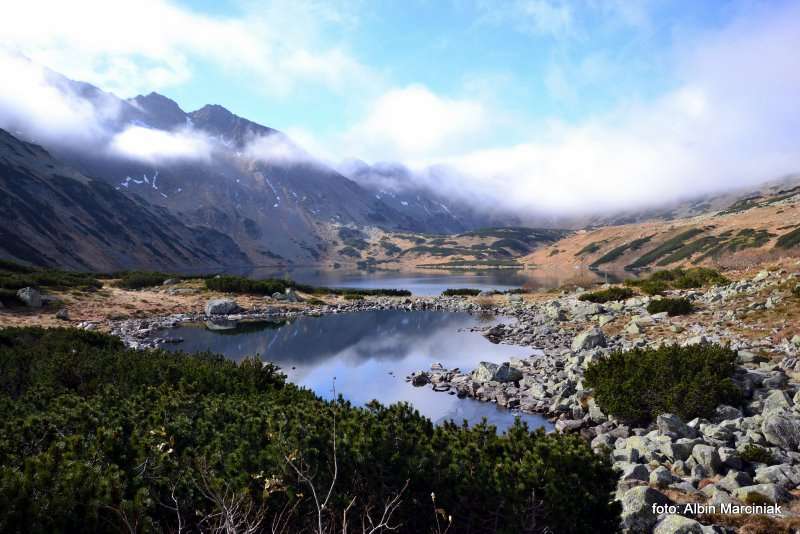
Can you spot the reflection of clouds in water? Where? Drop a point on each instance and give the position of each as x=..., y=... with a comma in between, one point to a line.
x=360, y=349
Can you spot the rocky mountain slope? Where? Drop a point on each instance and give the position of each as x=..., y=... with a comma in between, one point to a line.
x=747, y=229
x=54, y=215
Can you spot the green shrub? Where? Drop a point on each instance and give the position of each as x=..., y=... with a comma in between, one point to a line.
x=141, y=279
x=353, y=296
x=9, y=298
x=240, y=284
x=673, y=307
x=96, y=438
x=755, y=454
x=789, y=239
x=660, y=281
x=49, y=279
x=461, y=292
x=607, y=295
x=640, y=384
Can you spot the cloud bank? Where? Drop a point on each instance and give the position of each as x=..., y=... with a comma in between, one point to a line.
x=731, y=119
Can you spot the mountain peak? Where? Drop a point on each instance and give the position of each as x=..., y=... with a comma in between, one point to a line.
x=161, y=111
x=217, y=120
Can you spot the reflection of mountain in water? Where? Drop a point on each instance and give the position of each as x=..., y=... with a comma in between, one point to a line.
x=306, y=341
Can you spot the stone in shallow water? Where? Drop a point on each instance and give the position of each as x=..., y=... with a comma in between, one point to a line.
x=221, y=307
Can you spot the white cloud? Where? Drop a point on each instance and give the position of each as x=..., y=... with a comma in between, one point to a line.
x=413, y=122
x=731, y=120
x=154, y=146
x=277, y=148
x=32, y=101
x=142, y=45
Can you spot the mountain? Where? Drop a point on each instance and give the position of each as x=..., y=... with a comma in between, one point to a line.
x=421, y=206
x=251, y=182
x=54, y=215
x=731, y=230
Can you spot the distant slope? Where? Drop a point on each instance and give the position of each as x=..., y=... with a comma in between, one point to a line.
x=54, y=215
x=747, y=229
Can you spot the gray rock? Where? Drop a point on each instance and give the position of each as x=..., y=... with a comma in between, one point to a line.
x=589, y=339
x=760, y=492
x=171, y=281
x=62, y=314
x=734, y=480
x=782, y=430
x=221, y=307
x=783, y=475
x=30, y=296
x=637, y=508
x=673, y=426
x=568, y=425
x=661, y=477
x=677, y=524
x=506, y=373
x=420, y=379
x=485, y=372
x=707, y=458
x=635, y=472
x=723, y=412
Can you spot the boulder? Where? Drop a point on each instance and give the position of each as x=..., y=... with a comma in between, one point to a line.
x=485, y=372
x=635, y=472
x=30, y=296
x=171, y=281
x=661, y=477
x=782, y=430
x=291, y=295
x=677, y=524
x=637, y=508
x=420, y=379
x=488, y=372
x=568, y=425
x=783, y=475
x=762, y=492
x=589, y=339
x=734, y=480
x=673, y=426
x=707, y=457
x=62, y=314
x=221, y=307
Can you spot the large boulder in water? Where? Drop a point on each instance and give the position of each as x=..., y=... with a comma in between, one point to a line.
x=30, y=296
x=221, y=307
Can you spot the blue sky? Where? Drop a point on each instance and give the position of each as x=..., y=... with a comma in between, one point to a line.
x=561, y=101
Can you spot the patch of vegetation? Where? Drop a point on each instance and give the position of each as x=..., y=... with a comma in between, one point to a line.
x=758, y=455
x=745, y=238
x=694, y=277
x=591, y=248
x=9, y=298
x=390, y=248
x=607, y=295
x=741, y=205
x=673, y=307
x=478, y=263
x=520, y=233
x=350, y=252
x=96, y=438
x=15, y=276
x=353, y=296
x=240, y=284
x=789, y=239
x=665, y=248
x=640, y=384
x=616, y=252
x=140, y=279
x=461, y=292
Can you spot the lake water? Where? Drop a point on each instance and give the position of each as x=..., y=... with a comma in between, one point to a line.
x=369, y=354
x=432, y=282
